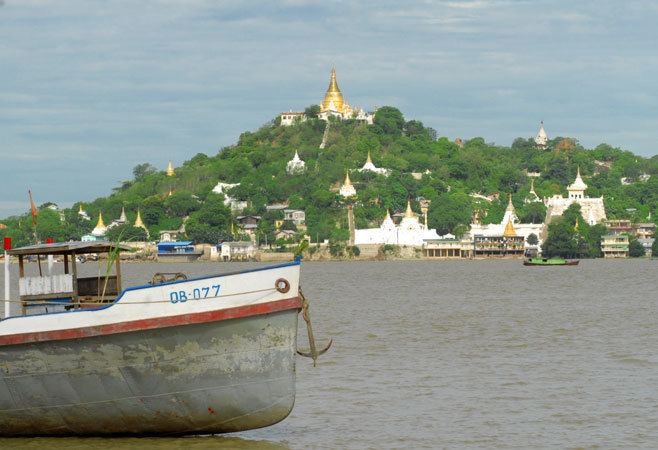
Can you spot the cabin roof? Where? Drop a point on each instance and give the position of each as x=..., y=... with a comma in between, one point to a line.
x=62, y=248
x=174, y=243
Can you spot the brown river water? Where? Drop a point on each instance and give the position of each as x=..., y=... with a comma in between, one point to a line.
x=458, y=354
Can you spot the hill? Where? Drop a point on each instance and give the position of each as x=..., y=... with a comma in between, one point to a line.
x=450, y=173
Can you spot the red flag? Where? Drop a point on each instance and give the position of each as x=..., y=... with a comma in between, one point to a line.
x=33, y=207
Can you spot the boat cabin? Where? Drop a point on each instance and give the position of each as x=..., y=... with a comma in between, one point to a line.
x=47, y=291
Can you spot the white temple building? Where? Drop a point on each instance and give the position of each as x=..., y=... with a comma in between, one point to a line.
x=509, y=226
x=541, y=140
x=234, y=204
x=370, y=167
x=409, y=232
x=347, y=189
x=592, y=209
x=295, y=165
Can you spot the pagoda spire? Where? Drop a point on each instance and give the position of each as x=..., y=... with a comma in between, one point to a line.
x=409, y=212
x=122, y=217
x=170, y=169
x=348, y=182
x=100, y=223
x=138, y=221
x=333, y=98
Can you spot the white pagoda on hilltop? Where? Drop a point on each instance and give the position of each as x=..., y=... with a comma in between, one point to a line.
x=592, y=209
x=347, y=189
x=370, y=167
x=541, y=140
x=410, y=231
x=295, y=165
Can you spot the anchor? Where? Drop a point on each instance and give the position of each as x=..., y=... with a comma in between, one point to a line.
x=313, y=352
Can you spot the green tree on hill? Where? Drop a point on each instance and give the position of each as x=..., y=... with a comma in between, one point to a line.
x=389, y=120
x=635, y=249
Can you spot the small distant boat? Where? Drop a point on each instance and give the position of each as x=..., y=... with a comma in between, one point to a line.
x=550, y=262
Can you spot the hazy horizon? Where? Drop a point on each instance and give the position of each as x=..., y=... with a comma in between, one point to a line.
x=91, y=89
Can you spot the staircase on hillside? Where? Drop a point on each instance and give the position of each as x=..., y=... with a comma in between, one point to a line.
x=325, y=135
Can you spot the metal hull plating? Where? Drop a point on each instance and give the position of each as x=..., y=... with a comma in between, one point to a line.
x=212, y=377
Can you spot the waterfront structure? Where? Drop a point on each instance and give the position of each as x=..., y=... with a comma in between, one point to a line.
x=170, y=169
x=248, y=224
x=177, y=251
x=497, y=230
x=614, y=246
x=370, y=167
x=508, y=244
x=541, y=140
x=447, y=248
x=234, y=204
x=645, y=233
x=295, y=165
x=347, y=190
x=238, y=251
x=333, y=105
x=592, y=209
x=410, y=231
x=619, y=226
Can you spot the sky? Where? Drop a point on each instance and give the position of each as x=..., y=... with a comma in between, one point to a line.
x=89, y=89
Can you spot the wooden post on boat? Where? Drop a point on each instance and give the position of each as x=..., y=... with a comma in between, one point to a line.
x=7, y=246
x=66, y=263
x=21, y=274
x=74, y=268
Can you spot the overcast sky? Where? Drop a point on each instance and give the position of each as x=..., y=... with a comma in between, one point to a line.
x=89, y=89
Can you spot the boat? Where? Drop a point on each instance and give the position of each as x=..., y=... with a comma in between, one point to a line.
x=85, y=356
x=550, y=262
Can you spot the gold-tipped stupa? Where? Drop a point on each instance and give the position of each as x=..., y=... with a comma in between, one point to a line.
x=333, y=98
x=409, y=212
x=170, y=169
x=509, y=229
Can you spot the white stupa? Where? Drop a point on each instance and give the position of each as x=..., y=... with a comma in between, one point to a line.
x=295, y=165
x=370, y=167
x=592, y=209
x=410, y=231
x=347, y=190
x=541, y=140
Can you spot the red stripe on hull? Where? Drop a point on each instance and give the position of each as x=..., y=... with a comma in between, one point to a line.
x=156, y=322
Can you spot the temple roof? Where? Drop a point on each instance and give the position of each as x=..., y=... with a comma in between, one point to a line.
x=578, y=184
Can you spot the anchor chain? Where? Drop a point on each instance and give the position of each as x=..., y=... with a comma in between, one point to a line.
x=313, y=351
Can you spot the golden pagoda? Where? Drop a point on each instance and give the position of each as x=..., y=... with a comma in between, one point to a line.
x=509, y=229
x=100, y=223
x=333, y=98
x=80, y=211
x=138, y=221
x=347, y=182
x=170, y=169
x=347, y=190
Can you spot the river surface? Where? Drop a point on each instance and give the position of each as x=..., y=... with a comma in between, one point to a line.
x=458, y=354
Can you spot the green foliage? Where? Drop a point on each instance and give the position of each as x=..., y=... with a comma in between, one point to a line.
x=258, y=162
x=635, y=249
x=126, y=233
x=532, y=239
x=389, y=120
x=312, y=111
x=561, y=240
x=654, y=248
x=142, y=170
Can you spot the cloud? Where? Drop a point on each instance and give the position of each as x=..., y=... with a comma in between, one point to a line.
x=84, y=86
